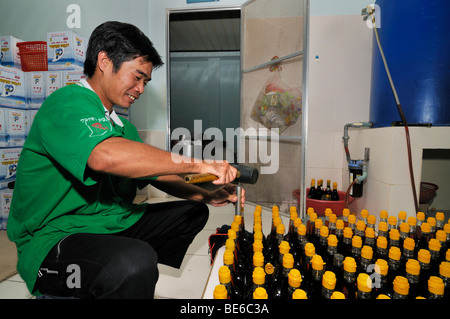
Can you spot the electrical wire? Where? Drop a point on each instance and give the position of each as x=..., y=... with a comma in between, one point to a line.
x=402, y=116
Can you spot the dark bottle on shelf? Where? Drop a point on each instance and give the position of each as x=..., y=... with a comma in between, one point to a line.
x=334, y=193
x=312, y=189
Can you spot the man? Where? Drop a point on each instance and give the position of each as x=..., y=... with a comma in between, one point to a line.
x=72, y=216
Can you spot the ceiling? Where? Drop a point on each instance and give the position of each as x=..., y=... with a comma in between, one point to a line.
x=205, y=31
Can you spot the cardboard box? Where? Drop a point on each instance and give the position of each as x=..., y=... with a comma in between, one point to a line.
x=12, y=88
x=53, y=81
x=5, y=202
x=10, y=52
x=65, y=51
x=9, y=158
x=72, y=77
x=35, y=83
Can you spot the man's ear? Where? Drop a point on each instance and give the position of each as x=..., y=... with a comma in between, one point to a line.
x=103, y=61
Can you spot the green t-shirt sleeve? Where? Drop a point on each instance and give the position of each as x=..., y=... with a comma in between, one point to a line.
x=69, y=136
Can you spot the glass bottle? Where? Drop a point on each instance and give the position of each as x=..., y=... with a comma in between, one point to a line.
x=271, y=249
x=280, y=279
x=371, y=221
x=356, y=248
x=349, y=288
x=369, y=236
x=315, y=287
x=394, y=238
x=338, y=270
x=407, y=251
x=401, y=218
x=332, y=224
x=412, y=222
x=345, y=214
x=394, y=263
x=381, y=282
x=327, y=192
x=294, y=282
x=447, y=241
x=432, y=222
x=258, y=281
x=381, y=249
x=347, y=242
x=260, y=293
x=392, y=223
x=306, y=269
x=412, y=273
x=319, y=189
x=434, y=246
x=335, y=194
x=424, y=257
x=441, y=236
x=291, y=233
x=366, y=258
x=298, y=250
x=225, y=279
x=384, y=216
x=436, y=288
x=220, y=292
x=440, y=221
x=310, y=227
x=425, y=236
x=401, y=288
x=382, y=230
x=322, y=248
x=352, y=222
x=364, y=286
x=420, y=219
x=364, y=215
x=328, y=284
x=404, y=232
x=360, y=229
x=331, y=251
x=339, y=232
x=312, y=189
x=444, y=273
x=315, y=239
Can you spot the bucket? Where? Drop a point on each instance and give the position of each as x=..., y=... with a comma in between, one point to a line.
x=320, y=205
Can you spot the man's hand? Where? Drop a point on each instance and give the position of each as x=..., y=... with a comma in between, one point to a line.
x=224, y=171
x=224, y=195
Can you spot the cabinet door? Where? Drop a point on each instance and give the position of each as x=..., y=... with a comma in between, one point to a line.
x=273, y=57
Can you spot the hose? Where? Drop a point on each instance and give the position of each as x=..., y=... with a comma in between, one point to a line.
x=402, y=116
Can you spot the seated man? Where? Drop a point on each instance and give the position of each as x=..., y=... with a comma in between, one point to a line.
x=72, y=211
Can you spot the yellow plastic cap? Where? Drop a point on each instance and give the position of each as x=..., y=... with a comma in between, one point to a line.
x=420, y=216
x=333, y=218
x=352, y=219
x=381, y=267
x=384, y=214
x=280, y=229
x=382, y=226
x=370, y=232
x=301, y=229
x=340, y=224
x=258, y=259
x=367, y=252
x=412, y=221
x=382, y=242
x=294, y=278
x=231, y=234
x=284, y=247
x=318, y=223
x=392, y=220
x=401, y=285
x=409, y=243
x=259, y=276
x=364, y=282
x=258, y=246
x=224, y=275
x=310, y=250
x=348, y=232
x=235, y=226
x=371, y=219
x=324, y=231
x=332, y=240
x=383, y=296
x=404, y=227
x=413, y=267
x=288, y=261
x=337, y=295
x=276, y=221
x=317, y=262
x=260, y=293
x=447, y=255
x=394, y=253
x=425, y=227
x=329, y=280
x=349, y=264
x=357, y=241
x=441, y=235
x=436, y=285
x=220, y=292
x=431, y=221
x=361, y=225
x=402, y=215
x=444, y=269
x=299, y=294
x=297, y=222
x=228, y=257
x=238, y=218
x=257, y=227
x=447, y=228
x=346, y=212
x=328, y=212
x=275, y=209
x=364, y=213
x=394, y=234
x=230, y=244
x=313, y=217
x=293, y=209
x=434, y=244
x=424, y=256
x=440, y=216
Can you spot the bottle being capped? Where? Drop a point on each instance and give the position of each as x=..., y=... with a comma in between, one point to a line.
x=401, y=288
x=349, y=278
x=364, y=286
x=328, y=284
x=220, y=292
x=412, y=270
x=436, y=288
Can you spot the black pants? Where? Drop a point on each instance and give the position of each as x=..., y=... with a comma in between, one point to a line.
x=122, y=265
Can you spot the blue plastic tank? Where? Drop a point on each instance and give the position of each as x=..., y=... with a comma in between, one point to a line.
x=416, y=44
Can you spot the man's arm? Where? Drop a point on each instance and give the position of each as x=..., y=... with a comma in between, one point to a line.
x=123, y=157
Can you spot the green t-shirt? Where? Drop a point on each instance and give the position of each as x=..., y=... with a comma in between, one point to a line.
x=55, y=193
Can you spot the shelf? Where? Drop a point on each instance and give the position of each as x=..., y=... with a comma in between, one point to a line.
x=263, y=65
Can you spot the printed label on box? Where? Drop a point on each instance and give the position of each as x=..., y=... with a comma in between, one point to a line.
x=12, y=88
x=66, y=51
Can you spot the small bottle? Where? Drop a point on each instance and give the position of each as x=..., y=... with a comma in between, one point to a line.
x=356, y=248
x=310, y=226
x=381, y=269
x=331, y=251
x=338, y=270
x=260, y=293
x=384, y=216
x=382, y=229
x=412, y=222
x=220, y=292
x=404, y=232
x=352, y=222
x=327, y=192
x=412, y=270
x=432, y=222
x=322, y=248
x=441, y=236
x=425, y=236
x=312, y=189
x=401, y=218
x=381, y=249
x=316, y=237
x=424, y=257
x=366, y=258
x=436, y=288
x=349, y=278
x=319, y=190
x=332, y=224
x=339, y=232
x=335, y=194
x=294, y=282
x=315, y=289
x=347, y=242
x=280, y=282
x=298, y=249
x=434, y=246
x=258, y=280
x=392, y=223
x=360, y=229
x=364, y=215
x=306, y=269
x=369, y=237
x=371, y=221
x=299, y=294
x=364, y=286
x=440, y=220
x=444, y=273
x=407, y=252
x=394, y=238
x=401, y=288
x=394, y=263
x=345, y=214
x=328, y=284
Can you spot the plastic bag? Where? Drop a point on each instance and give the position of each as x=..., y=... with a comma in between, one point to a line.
x=277, y=105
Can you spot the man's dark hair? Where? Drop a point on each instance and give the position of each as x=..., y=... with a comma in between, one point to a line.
x=122, y=42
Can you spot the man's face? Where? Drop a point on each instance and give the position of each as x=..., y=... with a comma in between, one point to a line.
x=127, y=84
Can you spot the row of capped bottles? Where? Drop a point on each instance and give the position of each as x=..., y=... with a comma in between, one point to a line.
x=337, y=258
x=321, y=192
